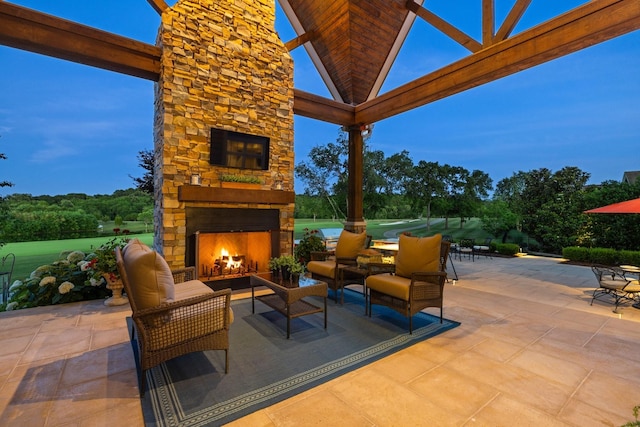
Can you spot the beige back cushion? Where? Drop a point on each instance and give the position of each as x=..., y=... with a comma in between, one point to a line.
x=349, y=244
x=418, y=254
x=149, y=275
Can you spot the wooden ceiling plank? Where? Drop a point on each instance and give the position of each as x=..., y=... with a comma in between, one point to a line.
x=443, y=26
x=592, y=23
x=488, y=22
x=407, y=23
x=158, y=5
x=37, y=32
x=512, y=19
x=314, y=55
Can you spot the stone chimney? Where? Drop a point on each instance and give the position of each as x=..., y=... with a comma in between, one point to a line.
x=223, y=67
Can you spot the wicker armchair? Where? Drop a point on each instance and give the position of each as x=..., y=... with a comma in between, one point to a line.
x=194, y=318
x=418, y=280
x=326, y=266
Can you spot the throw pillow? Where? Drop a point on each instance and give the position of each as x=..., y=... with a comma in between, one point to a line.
x=349, y=244
x=418, y=254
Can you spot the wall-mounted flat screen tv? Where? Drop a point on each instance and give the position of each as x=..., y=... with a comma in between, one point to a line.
x=239, y=150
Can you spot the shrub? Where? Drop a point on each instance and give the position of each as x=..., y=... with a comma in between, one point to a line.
x=629, y=257
x=507, y=248
x=603, y=256
x=576, y=253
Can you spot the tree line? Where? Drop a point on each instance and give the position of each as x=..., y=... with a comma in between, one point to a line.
x=545, y=205
x=27, y=218
x=393, y=187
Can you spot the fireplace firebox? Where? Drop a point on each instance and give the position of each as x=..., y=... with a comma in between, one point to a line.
x=231, y=255
x=227, y=245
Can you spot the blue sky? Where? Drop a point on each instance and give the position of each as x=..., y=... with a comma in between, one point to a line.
x=70, y=128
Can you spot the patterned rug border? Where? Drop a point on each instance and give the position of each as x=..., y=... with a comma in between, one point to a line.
x=168, y=411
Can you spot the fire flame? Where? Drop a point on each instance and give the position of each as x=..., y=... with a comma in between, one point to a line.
x=231, y=263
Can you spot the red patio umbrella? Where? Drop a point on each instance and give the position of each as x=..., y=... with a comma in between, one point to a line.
x=628, y=207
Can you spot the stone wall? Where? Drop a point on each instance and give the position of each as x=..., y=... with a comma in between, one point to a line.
x=223, y=66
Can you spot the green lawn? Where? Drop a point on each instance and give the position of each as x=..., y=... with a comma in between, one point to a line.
x=30, y=255
x=379, y=229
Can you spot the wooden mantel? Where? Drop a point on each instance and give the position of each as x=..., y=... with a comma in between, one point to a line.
x=195, y=193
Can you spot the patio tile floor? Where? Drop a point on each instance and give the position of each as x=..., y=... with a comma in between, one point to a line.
x=531, y=350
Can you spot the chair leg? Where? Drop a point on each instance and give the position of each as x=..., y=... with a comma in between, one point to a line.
x=453, y=267
x=142, y=382
x=226, y=361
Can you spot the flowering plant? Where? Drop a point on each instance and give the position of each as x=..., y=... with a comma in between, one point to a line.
x=102, y=262
x=310, y=242
x=60, y=282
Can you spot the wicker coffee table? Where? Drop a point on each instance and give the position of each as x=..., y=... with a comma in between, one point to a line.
x=289, y=300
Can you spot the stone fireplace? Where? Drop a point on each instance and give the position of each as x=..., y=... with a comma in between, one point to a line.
x=224, y=70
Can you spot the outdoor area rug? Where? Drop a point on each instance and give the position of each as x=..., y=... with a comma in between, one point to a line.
x=265, y=367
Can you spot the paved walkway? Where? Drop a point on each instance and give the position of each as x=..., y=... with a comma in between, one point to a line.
x=531, y=351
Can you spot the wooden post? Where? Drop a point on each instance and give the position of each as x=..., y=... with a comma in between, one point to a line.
x=355, y=219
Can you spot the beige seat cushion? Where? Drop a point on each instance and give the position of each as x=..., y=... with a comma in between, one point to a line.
x=612, y=284
x=349, y=244
x=149, y=275
x=191, y=288
x=418, y=254
x=322, y=268
x=393, y=285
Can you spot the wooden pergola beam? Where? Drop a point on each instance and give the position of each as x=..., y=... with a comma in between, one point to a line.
x=512, y=19
x=592, y=23
x=158, y=5
x=37, y=32
x=299, y=41
x=317, y=107
x=488, y=22
x=443, y=26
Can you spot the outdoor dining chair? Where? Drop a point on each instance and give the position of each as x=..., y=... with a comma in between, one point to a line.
x=465, y=247
x=612, y=284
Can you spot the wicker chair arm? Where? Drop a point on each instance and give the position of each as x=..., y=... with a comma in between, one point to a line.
x=184, y=274
x=320, y=255
x=380, y=267
x=428, y=276
x=205, y=305
x=346, y=261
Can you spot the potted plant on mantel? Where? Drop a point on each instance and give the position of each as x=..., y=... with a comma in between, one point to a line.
x=243, y=182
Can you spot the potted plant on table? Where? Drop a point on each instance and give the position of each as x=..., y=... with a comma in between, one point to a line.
x=286, y=270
